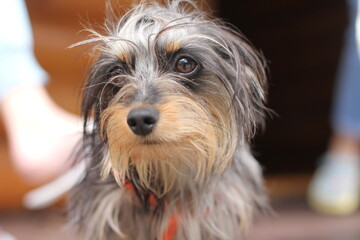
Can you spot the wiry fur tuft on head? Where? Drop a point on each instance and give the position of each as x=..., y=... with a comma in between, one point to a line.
x=196, y=157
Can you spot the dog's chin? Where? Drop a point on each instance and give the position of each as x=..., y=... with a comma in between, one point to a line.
x=156, y=165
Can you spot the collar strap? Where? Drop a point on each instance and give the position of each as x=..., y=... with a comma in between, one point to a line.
x=170, y=231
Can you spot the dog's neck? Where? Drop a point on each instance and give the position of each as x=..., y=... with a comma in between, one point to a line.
x=147, y=198
x=150, y=200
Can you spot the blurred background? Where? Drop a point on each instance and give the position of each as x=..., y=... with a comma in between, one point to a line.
x=301, y=39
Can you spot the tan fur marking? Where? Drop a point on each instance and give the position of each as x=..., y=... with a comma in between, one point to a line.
x=124, y=56
x=173, y=46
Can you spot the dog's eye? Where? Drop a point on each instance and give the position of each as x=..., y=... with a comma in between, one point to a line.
x=114, y=71
x=115, y=89
x=185, y=65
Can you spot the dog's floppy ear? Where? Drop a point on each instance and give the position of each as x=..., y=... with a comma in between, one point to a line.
x=92, y=91
x=249, y=81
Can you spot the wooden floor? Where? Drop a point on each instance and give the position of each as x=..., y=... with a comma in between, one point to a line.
x=292, y=220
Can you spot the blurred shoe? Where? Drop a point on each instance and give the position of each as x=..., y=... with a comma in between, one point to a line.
x=335, y=188
x=6, y=236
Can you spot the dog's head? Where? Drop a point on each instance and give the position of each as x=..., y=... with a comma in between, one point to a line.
x=173, y=94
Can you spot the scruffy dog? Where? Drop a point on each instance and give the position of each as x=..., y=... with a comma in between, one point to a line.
x=175, y=97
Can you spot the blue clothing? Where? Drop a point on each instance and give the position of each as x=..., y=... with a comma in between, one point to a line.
x=346, y=112
x=18, y=65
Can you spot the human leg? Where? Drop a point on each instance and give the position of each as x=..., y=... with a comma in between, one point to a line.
x=335, y=188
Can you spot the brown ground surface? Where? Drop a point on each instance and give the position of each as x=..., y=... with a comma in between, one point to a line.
x=292, y=220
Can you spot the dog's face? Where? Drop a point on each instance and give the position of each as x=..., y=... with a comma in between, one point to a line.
x=173, y=95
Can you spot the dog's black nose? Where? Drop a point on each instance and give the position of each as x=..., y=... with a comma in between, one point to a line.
x=142, y=120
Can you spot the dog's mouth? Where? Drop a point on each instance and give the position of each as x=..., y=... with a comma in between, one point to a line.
x=150, y=142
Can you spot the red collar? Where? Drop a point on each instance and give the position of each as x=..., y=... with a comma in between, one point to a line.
x=170, y=231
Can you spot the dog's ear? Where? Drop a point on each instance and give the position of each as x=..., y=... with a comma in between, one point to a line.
x=91, y=91
x=99, y=88
x=249, y=81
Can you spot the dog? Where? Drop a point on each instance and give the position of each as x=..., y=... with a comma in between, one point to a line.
x=174, y=97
